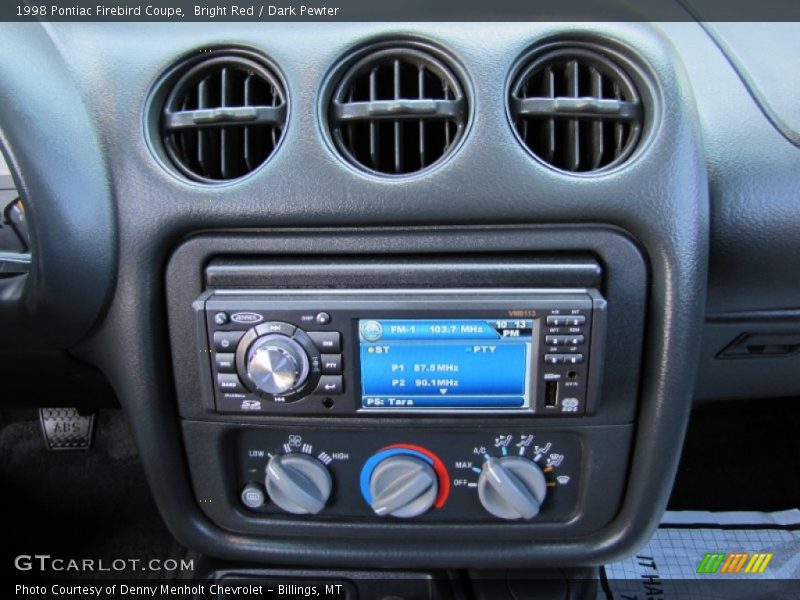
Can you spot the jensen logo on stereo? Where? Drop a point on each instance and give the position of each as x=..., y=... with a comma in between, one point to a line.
x=247, y=317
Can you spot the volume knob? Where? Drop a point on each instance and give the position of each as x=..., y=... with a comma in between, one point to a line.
x=298, y=483
x=512, y=487
x=277, y=364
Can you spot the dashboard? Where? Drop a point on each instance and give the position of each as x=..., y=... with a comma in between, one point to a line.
x=372, y=294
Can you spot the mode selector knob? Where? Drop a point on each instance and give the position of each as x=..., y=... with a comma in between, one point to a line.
x=512, y=487
x=277, y=364
x=298, y=483
x=403, y=486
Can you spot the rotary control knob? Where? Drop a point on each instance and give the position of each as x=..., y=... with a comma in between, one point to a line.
x=512, y=487
x=277, y=364
x=298, y=483
x=403, y=486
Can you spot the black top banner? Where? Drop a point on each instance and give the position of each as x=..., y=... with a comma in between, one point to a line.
x=400, y=10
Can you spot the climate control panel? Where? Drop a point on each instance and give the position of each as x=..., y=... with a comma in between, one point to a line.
x=440, y=476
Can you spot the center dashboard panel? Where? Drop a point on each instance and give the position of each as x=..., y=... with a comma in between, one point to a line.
x=469, y=398
x=489, y=209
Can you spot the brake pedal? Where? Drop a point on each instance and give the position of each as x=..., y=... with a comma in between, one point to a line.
x=67, y=428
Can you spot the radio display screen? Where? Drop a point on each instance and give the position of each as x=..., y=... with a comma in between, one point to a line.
x=446, y=364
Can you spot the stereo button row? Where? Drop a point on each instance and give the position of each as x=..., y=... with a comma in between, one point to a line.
x=563, y=340
x=566, y=320
x=563, y=359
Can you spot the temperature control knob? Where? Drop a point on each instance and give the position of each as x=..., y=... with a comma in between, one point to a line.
x=298, y=483
x=511, y=487
x=277, y=364
x=403, y=486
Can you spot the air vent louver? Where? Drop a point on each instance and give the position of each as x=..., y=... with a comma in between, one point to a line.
x=397, y=111
x=576, y=110
x=223, y=118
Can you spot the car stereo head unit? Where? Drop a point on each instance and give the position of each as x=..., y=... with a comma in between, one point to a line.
x=530, y=352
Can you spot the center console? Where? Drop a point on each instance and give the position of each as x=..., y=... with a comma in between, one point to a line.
x=450, y=352
x=385, y=398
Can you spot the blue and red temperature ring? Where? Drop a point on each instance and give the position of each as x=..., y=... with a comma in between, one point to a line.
x=408, y=450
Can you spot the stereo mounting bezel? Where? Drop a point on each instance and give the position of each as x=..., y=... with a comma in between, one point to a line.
x=299, y=307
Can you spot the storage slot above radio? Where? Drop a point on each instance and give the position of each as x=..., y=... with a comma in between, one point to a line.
x=485, y=270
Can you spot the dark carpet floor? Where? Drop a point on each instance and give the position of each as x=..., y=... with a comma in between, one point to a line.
x=741, y=456
x=78, y=504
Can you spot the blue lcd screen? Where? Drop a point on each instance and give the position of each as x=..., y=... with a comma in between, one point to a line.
x=445, y=363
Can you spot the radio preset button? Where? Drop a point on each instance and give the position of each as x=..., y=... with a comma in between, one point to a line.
x=330, y=385
x=226, y=341
x=563, y=359
x=566, y=320
x=563, y=340
x=327, y=341
x=331, y=364
x=230, y=383
x=226, y=362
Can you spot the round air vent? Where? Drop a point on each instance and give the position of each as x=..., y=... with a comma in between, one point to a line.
x=397, y=111
x=223, y=118
x=576, y=110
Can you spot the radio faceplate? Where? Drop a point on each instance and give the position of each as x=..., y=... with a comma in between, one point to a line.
x=535, y=352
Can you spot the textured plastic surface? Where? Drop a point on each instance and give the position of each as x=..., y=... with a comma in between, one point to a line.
x=750, y=375
x=622, y=284
x=765, y=57
x=659, y=198
x=754, y=177
x=754, y=172
x=55, y=152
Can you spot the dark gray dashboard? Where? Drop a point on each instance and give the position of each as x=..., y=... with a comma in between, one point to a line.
x=696, y=226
